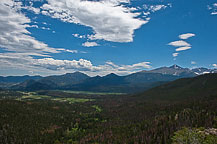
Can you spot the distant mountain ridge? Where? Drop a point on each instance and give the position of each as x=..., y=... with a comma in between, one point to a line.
x=200, y=71
x=135, y=82
x=174, y=70
x=17, y=79
x=9, y=81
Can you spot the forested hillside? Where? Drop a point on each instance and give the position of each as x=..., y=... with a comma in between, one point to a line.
x=62, y=117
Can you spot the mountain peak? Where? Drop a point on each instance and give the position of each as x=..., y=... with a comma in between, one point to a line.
x=75, y=73
x=176, y=67
x=111, y=74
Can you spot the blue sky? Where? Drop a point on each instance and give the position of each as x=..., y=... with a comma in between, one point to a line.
x=98, y=37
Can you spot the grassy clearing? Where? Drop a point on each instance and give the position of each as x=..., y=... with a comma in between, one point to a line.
x=35, y=96
x=98, y=109
x=72, y=100
x=32, y=96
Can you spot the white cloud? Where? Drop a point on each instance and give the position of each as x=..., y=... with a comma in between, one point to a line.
x=44, y=23
x=183, y=48
x=175, y=54
x=179, y=43
x=90, y=44
x=214, y=65
x=138, y=66
x=214, y=13
x=186, y=36
x=45, y=66
x=45, y=28
x=109, y=19
x=146, y=13
x=70, y=51
x=213, y=8
x=154, y=8
x=50, y=63
x=33, y=9
x=193, y=62
x=79, y=36
x=34, y=26
x=14, y=35
x=157, y=7
x=17, y=40
x=86, y=65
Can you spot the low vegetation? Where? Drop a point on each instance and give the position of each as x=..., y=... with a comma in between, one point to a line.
x=195, y=136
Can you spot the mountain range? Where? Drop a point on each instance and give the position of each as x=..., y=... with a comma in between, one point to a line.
x=78, y=81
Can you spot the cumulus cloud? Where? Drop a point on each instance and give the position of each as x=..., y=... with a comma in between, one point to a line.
x=183, y=48
x=17, y=40
x=109, y=19
x=186, y=36
x=179, y=43
x=50, y=63
x=90, y=44
x=86, y=65
x=14, y=35
x=22, y=61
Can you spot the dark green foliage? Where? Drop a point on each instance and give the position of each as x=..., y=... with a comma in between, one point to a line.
x=113, y=119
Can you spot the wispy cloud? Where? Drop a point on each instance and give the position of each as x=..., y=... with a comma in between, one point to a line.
x=193, y=62
x=154, y=8
x=183, y=48
x=214, y=65
x=67, y=50
x=179, y=43
x=149, y=9
x=186, y=36
x=175, y=54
